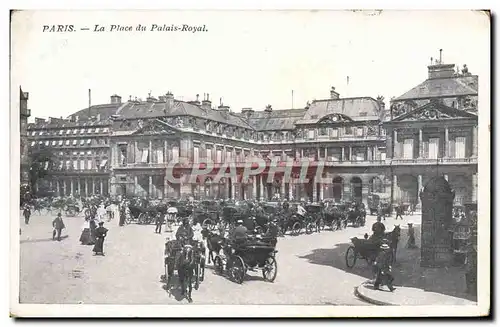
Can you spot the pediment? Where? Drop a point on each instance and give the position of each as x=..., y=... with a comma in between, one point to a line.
x=334, y=119
x=155, y=127
x=434, y=111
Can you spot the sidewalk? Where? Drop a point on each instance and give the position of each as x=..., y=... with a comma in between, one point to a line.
x=406, y=296
x=416, y=285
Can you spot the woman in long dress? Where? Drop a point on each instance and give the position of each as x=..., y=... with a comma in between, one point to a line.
x=93, y=227
x=85, y=236
x=100, y=233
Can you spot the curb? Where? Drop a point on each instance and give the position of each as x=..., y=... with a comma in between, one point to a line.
x=368, y=299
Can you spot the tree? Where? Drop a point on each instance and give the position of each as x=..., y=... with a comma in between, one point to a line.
x=42, y=161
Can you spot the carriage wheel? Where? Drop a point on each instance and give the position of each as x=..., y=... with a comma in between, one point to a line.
x=218, y=265
x=208, y=223
x=142, y=218
x=238, y=269
x=309, y=228
x=350, y=257
x=322, y=224
x=270, y=270
x=296, y=228
x=128, y=218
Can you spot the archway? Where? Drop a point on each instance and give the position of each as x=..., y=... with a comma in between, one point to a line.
x=356, y=189
x=337, y=184
x=408, y=186
x=376, y=185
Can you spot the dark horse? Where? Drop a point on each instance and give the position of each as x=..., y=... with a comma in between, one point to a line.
x=393, y=238
x=185, y=270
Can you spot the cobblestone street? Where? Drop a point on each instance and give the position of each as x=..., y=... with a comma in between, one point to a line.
x=311, y=268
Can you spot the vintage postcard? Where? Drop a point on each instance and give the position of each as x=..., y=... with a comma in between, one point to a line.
x=270, y=163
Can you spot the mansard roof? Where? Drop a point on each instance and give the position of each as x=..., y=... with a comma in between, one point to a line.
x=276, y=119
x=443, y=87
x=139, y=110
x=358, y=109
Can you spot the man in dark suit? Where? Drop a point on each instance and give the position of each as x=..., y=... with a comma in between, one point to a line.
x=58, y=225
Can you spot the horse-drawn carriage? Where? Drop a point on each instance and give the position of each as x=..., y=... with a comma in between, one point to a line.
x=335, y=216
x=314, y=218
x=207, y=214
x=356, y=214
x=141, y=215
x=188, y=259
x=379, y=200
x=369, y=248
x=71, y=209
x=255, y=255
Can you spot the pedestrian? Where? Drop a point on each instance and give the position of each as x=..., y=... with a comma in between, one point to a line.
x=101, y=213
x=383, y=268
x=26, y=214
x=159, y=220
x=100, y=233
x=411, y=237
x=58, y=225
x=123, y=214
x=399, y=212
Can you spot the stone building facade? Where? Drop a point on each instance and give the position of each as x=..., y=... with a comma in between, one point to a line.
x=24, y=114
x=356, y=145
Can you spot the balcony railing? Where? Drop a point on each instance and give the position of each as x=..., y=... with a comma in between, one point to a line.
x=438, y=161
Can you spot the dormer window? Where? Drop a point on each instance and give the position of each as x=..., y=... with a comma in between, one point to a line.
x=348, y=130
x=323, y=131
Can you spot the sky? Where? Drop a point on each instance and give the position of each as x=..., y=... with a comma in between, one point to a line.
x=247, y=58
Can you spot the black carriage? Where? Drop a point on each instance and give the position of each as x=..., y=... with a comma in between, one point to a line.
x=230, y=214
x=207, y=214
x=378, y=201
x=335, y=216
x=367, y=249
x=314, y=218
x=356, y=214
x=71, y=210
x=141, y=215
x=173, y=251
x=256, y=255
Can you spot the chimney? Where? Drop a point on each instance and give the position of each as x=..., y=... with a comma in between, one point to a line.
x=334, y=94
x=381, y=103
x=98, y=118
x=224, y=108
x=116, y=99
x=247, y=112
x=268, y=109
x=169, y=99
x=439, y=70
x=206, y=103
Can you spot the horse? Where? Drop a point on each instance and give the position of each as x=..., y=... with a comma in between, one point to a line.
x=393, y=238
x=214, y=243
x=186, y=270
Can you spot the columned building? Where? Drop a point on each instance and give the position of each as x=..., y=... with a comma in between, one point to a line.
x=356, y=146
x=432, y=131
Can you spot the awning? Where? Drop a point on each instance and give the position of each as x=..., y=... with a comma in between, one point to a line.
x=74, y=142
x=33, y=143
x=88, y=141
x=46, y=165
x=82, y=142
x=60, y=142
x=103, y=163
x=54, y=142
